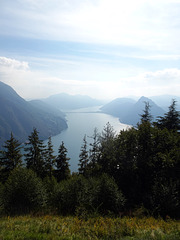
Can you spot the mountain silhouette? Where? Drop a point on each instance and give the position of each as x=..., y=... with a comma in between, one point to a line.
x=20, y=117
x=128, y=111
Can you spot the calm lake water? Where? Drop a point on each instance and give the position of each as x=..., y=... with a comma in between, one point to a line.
x=81, y=122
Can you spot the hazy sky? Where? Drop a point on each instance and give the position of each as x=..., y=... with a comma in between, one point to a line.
x=101, y=48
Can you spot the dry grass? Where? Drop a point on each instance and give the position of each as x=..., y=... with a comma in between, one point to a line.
x=54, y=227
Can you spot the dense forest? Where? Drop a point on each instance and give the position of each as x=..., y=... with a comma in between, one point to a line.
x=134, y=172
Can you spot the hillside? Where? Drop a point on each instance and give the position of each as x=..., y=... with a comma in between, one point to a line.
x=19, y=116
x=128, y=111
x=66, y=101
x=119, y=107
x=164, y=101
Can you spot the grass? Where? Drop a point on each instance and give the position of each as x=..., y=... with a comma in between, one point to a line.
x=74, y=228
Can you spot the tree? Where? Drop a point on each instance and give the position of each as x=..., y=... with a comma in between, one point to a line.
x=125, y=173
x=23, y=192
x=83, y=158
x=107, y=158
x=107, y=196
x=49, y=158
x=11, y=157
x=35, y=154
x=62, y=165
x=171, y=119
x=94, y=154
x=146, y=116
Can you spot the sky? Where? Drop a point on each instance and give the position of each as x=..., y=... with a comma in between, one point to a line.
x=102, y=48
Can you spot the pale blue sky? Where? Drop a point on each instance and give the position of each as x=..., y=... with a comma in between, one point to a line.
x=101, y=48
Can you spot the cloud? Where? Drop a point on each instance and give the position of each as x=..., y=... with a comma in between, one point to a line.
x=167, y=77
x=150, y=24
x=13, y=64
x=36, y=84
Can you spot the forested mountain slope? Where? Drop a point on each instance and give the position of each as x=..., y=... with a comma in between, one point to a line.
x=20, y=117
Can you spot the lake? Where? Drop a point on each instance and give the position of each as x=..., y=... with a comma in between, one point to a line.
x=82, y=122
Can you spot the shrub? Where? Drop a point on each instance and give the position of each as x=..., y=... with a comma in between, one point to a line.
x=107, y=196
x=23, y=192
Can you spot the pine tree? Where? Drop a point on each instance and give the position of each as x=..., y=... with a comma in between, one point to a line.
x=49, y=158
x=94, y=154
x=171, y=119
x=35, y=154
x=107, y=159
x=11, y=157
x=83, y=158
x=62, y=165
x=146, y=116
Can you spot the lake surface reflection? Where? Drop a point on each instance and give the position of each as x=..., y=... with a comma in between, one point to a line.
x=81, y=122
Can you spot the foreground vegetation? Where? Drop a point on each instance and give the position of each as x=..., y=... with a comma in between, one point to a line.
x=67, y=228
x=136, y=169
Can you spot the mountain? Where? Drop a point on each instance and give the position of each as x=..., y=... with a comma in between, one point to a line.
x=66, y=101
x=165, y=101
x=133, y=116
x=128, y=111
x=119, y=107
x=20, y=117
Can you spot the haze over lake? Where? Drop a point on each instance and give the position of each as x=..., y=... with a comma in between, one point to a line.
x=81, y=122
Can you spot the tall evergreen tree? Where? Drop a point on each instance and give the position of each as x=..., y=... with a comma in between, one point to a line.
x=107, y=159
x=171, y=119
x=94, y=154
x=35, y=154
x=146, y=116
x=83, y=158
x=62, y=165
x=49, y=158
x=11, y=156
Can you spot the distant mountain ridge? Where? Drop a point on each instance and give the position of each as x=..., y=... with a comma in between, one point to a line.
x=65, y=101
x=164, y=101
x=128, y=110
x=20, y=116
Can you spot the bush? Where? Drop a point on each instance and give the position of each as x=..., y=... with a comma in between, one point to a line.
x=165, y=198
x=23, y=192
x=107, y=196
x=99, y=195
x=70, y=194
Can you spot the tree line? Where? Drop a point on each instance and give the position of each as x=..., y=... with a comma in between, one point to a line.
x=138, y=168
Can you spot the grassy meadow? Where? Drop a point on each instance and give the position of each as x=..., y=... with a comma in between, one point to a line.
x=75, y=228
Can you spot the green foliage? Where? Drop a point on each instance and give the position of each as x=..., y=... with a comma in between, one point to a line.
x=171, y=119
x=146, y=116
x=62, y=165
x=107, y=197
x=49, y=159
x=165, y=198
x=35, y=154
x=136, y=169
x=49, y=183
x=94, y=194
x=107, y=159
x=1, y=198
x=10, y=158
x=23, y=192
x=83, y=158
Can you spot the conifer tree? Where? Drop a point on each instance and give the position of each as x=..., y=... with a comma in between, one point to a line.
x=62, y=165
x=49, y=158
x=94, y=154
x=11, y=156
x=107, y=159
x=146, y=116
x=171, y=119
x=83, y=158
x=35, y=154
